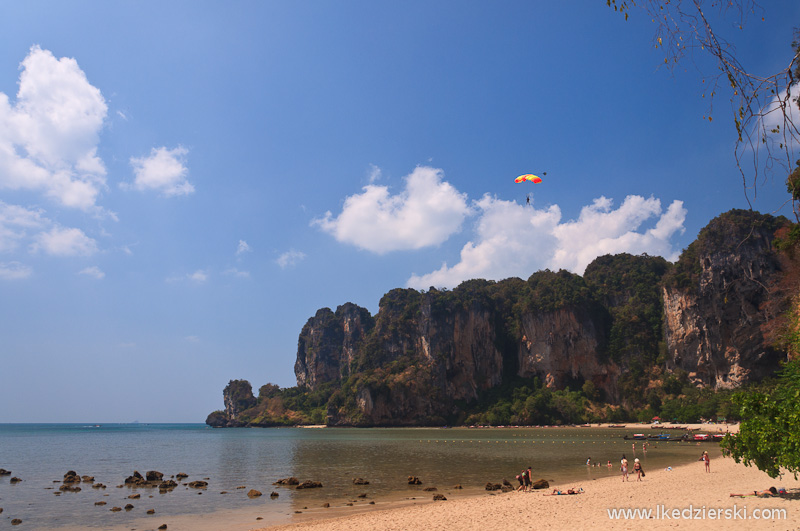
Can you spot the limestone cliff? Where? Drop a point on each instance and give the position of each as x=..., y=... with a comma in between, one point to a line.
x=237, y=397
x=713, y=302
x=425, y=356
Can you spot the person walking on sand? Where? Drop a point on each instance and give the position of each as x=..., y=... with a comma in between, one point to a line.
x=530, y=479
x=624, y=468
x=637, y=466
x=706, y=460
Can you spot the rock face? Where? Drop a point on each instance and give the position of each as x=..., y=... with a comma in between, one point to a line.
x=714, y=321
x=426, y=354
x=329, y=343
x=237, y=397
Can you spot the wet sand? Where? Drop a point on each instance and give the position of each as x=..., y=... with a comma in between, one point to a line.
x=702, y=501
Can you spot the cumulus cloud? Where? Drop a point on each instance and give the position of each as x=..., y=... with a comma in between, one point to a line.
x=198, y=276
x=782, y=107
x=599, y=230
x=49, y=136
x=93, y=271
x=14, y=271
x=515, y=240
x=15, y=223
x=424, y=214
x=374, y=173
x=164, y=170
x=242, y=248
x=290, y=258
x=60, y=241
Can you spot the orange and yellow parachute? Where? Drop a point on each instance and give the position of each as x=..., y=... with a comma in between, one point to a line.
x=528, y=177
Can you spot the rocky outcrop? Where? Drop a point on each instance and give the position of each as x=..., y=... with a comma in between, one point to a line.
x=237, y=397
x=714, y=315
x=329, y=344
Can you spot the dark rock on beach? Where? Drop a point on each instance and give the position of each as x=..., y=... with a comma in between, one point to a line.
x=439, y=497
x=4, y=472
x=493, y=486
x=100, y=503
x=15, y=479
x=541, y=484
x=273, y=494
x=360, y=481
x=429, y=489
x=69, y=488
x=167, y=486
x=309, y=485
x=181, y=475
x=288, y=481
x=154, y=476
x=198, y=484
x=253, y=493
x=16, y=521
x=98, y=486
x=136, y=479
x=71, y=477
x=414, y=480
x=151, y=511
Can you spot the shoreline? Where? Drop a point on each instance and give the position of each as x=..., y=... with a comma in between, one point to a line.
x=702, y=499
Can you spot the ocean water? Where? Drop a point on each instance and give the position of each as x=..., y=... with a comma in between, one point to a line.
x=228, y=459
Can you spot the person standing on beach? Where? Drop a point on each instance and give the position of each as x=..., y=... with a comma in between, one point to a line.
x=637, y=466
x=530, y=479
x=624, y=468
x=706, y=460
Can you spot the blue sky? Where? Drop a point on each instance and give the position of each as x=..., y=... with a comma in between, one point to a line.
x=184, y=184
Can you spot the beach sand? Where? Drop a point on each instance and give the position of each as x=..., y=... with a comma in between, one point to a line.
x=682, y=488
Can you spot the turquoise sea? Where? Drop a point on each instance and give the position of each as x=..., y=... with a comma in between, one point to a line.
x=40, y=455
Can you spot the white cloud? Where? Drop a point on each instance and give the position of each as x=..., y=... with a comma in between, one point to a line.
x=198, y=276
x=600, y=230
x=236, y=273
x=424, y=214
x=515, y=240
x=374, y=173
x=773, y=116
x=242, y=248
x=93, y=271
x=14, y=271
x=164, y=170
x=49, y=136
x=192, y=339
x=290, y=258
x=14, y=220
x=61, y=241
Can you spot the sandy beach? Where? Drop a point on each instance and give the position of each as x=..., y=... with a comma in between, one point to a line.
x=684, y=497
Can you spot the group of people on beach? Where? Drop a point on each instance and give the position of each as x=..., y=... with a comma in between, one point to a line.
x=524, y=478
x=637, y=467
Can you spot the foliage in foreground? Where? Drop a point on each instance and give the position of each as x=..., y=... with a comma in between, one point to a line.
x=769, y=436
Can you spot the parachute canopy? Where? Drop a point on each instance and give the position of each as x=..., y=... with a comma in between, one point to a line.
x=528, y=177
